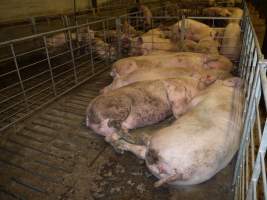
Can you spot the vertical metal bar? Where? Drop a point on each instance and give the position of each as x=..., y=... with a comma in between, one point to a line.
x=252, y=146
x=78, y=38
x=63, y=21
x=247, y=167
x=19, y=76
x=72, y=57
x=107, y=50
x=49, y=65
x=259, y=125
x=118, y=28
x=243, y=49
x=91, y=51
x=263, y=174
x=243, y=181
x=254, y=190
x=65, y=24
x=152, y=34
x=66, y=19
x=33, y=22
x=183, y=29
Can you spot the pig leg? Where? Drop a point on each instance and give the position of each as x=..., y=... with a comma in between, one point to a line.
x=121, y=146
x=122, y=132
x=167, y=180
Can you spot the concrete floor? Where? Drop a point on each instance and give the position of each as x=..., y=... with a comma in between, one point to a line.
x=54, y=156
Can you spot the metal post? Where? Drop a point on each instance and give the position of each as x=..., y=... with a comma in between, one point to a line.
x=20, y=79
x=107, y=51
x=72, y=57
x=33, y=22
x=66, y=24
x=78, y=38
x=66, y=19
x=63, y=21
x=91, y=51
x=49, y=65
x=118, y=28
x=182, y=32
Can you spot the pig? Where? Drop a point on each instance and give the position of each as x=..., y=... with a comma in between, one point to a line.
x=194, y=30
x=156, y=32
x=217, y=11
x=142, y=104
x=103, y=49
x=59, y=40
x=146, y=44
x=198, y=144
x=183, y=59
x=151, y=73
x=208, y=45
x=107, y=35
x=231, y=42
x=147, y=14
x=188, y=46
x=236, y=13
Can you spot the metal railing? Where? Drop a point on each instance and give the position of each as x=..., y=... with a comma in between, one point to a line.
x=34, y=73
x=39, y=24
x=250, y=171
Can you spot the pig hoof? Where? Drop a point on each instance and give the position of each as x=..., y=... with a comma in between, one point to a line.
x=118, y=147
x=127, y=137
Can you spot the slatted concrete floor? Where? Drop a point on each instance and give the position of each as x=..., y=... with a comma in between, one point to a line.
x=54, y=156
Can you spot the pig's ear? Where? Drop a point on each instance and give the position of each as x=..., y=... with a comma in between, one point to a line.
x=234, y=82
x=139, y=41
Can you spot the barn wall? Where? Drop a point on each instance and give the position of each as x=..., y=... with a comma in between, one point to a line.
x=21, y=9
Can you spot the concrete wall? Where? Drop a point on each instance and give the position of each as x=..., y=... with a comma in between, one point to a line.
x=21, y=9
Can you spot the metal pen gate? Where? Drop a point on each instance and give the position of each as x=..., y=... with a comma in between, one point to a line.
x=34, y=74
x=250, y=172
